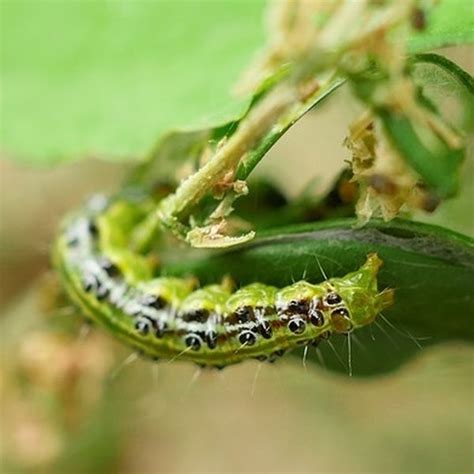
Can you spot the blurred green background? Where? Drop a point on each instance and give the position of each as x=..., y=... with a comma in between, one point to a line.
x=97, y=81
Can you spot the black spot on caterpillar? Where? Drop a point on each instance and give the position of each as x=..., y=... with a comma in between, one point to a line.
x=168, y=318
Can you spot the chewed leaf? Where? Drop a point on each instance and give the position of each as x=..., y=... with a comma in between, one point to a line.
x=206, y=237
x=207, y=145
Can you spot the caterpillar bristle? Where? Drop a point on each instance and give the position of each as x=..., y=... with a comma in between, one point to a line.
x=214, y=326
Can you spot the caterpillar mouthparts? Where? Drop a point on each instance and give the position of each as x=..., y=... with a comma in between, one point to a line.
x=166, y=317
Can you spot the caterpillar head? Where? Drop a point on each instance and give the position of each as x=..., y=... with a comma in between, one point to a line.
x=363, y=301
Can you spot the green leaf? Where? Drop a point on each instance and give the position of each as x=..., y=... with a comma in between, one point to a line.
x=430, y=268
x=449, y=23
x=107, y=78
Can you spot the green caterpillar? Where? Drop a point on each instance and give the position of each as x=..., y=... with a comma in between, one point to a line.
x=167, y=317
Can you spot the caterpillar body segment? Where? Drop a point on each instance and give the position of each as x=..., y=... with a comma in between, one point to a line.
x=169, y=318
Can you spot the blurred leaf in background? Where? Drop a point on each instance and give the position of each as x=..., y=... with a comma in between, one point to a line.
x=102, y=78
x=106, y=78
x=451, y=22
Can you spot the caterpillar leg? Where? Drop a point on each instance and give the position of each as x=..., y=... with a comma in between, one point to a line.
x=215, y=325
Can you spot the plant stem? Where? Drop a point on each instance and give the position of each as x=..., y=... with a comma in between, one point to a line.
x=251, y=129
